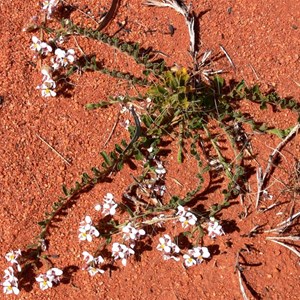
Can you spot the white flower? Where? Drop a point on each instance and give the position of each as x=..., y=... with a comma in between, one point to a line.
x=98, y=207
x=93, y=271
x=12, y=257
x=39, y=46
x=165, y=244
x=169, y=248
x=188, y=219
x=36, y=44
x=87, y=231
x=160, y=170
x=91, y=261
x=10, y=287
x=109, y=206
x=199, y=253
x=48, y=6
x=124, y=109
x=87, y=257
x=180, y=211
x=48, y=84
x=47, y=88
x=63, y=58
x=9, y=274
x=121, y=251
x=132, y=233
x=54, y=274
x=46, y=280
x=45, y=48
x=90, y=258
x=189, y=261
x=214, y=229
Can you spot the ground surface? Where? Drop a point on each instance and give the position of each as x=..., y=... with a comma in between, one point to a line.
x=262, y=38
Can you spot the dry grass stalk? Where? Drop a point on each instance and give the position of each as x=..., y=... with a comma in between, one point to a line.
x=55, y=151
x=291, y=248
x=262, y=177
x=182, y=9
x=239, y=269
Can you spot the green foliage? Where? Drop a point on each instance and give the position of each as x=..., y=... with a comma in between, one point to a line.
x=199, y=116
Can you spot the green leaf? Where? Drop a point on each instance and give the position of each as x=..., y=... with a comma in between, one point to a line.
x=281, y=133
x=106, y=158
x=65, y=190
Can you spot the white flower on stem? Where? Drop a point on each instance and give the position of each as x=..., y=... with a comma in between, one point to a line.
x=54, y=274
x=168, y=247
x=91, y=261
x=10, y=284
x=87, y=231
x=160, y=170
x=11, y=287
x=132, y=233
x=48, y=85
x=39, y=46
x=189, y=261
x=12, y=257
x=9, y=274
x=109, y=206
x=165, y=244
x=188, y=219
x=45, y=48
x=185, y=217
x=87, y=257
x=199, y=253
x=36, y=44
x=180, y=211
x=63, y=58
x=93, y=271
x=214, y=228
x=47, y=88
x=46, y=280
x=121, y=251
x=49, y=6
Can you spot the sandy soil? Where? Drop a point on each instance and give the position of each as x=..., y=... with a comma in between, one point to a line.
x=262, y=39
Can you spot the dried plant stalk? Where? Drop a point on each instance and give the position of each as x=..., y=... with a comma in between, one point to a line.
x=181, y=8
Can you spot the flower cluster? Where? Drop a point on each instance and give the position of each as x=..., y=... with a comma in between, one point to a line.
x=46, y=280
x=170, y=249
x=186, y=218
x=87, y=230
x=131, y=233
x=91, y=263
x=195, y=256
x=109, y=206
x=62, y=58
x=214, y=228
x=48, y=6
x=41, y=48
x=121, y=251
x=48, y=85
x=10, y=284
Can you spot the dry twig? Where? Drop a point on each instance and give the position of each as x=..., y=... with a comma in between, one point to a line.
x=262, y=177
x=239, y=269
x=291, y=248
x=183, y=10
x=56, y=152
